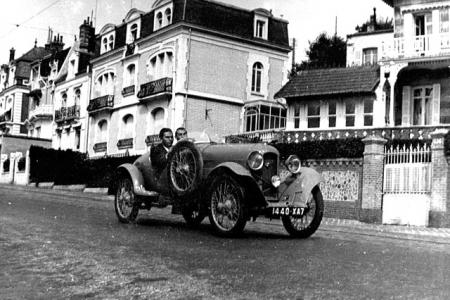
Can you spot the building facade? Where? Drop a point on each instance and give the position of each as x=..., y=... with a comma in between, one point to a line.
x=199, y=64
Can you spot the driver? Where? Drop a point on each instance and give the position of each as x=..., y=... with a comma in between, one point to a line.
x=158, y=154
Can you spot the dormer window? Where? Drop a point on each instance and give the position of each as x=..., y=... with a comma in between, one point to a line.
x=163, y=16
x=105, y=44
x=111, y=42
x=108, y=36
x=261, y=23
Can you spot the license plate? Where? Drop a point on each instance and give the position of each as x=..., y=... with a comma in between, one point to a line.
x=288, y=211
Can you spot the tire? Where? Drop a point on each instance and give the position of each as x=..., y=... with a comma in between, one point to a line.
x=192, y=215
x=125, y=203
x=226, y=207
x=184, y=169
x=305, y=226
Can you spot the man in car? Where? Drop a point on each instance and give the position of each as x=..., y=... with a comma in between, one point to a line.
x=180, y=133
x=158, y=154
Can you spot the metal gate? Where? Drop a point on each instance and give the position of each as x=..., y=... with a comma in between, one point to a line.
x=407, y=185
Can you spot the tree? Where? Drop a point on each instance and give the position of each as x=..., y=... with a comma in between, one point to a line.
x=324, y=52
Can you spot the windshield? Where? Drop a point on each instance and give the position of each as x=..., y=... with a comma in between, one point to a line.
x=204, y=137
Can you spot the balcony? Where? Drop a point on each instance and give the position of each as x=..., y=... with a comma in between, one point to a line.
x=161, y=88
x=100, y=147
x=41, y=112
x=67, y=113
x=101, y=103
x=128, y=91
x=417, y=46
x=125, y=143
x=152, y=139
x=5, y=117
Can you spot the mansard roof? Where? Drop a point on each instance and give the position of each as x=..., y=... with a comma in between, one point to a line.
x=213, y=16
x=60, y=56
x=23, y=63
x=389, y=2
x=329, y=82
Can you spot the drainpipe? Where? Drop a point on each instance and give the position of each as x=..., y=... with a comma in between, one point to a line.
x=187, y=78
x=88, y=115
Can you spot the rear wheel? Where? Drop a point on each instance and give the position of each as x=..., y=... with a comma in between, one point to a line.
x=125, y=203
x=307, y=224
x=227, y=208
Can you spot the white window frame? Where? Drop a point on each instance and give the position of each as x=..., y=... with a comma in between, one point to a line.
x=265, y=28
x=426, y=113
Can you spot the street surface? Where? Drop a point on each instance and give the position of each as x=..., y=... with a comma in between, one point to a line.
x=64, y=247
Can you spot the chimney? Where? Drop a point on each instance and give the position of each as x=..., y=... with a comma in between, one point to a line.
x=87, y=36
x=12, y=52
x=373, y=21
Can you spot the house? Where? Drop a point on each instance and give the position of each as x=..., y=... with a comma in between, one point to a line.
x=200, y=64
x=14, y=90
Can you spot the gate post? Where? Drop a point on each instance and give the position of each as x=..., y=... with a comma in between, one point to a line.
x=438, y=205
x=372, y=185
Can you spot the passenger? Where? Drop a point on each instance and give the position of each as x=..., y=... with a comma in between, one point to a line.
x=180, y=133
x=158, y=154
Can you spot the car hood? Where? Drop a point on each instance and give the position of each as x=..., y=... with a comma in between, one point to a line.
x=232, y=152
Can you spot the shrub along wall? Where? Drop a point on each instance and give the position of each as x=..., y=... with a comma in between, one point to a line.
x=64, y=167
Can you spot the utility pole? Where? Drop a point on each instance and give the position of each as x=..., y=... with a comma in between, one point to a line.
x=335, y=27
x=293, y=53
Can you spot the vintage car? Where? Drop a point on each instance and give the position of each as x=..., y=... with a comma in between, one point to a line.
x=230, y=183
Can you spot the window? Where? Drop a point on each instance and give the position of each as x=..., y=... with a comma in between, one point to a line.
x=77, y=97
x=130, y=76
x=256, y=77
x=134, y=32
x=443, y=21
x=422, y=99
x=314, y=115
x=160, y=66
x=105, y=44
x=264, y=117
x=111, y=42
x=77, y=138
x=72, y=68
x=370, y=56
x=157, y=120
x=128, y=121
x=64, y=99
x=159, y=19
x=102, y=131
x=260, y=28
x=104, y=84
x=297, y=116
x=350, y=112
x=168, y=14
x=368, y=112
x=332, y=114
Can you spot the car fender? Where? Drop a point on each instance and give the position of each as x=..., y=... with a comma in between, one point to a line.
x=255, y=198
x=296, y=192
x=136, y=178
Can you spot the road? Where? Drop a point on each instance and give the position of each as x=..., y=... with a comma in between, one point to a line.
x=64, y=247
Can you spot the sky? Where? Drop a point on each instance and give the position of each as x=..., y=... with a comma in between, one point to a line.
x=24, y=21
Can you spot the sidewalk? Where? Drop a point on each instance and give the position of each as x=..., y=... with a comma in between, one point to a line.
x=413, y=233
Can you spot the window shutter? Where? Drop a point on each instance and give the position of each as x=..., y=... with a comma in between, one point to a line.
x=358, y=58
x=409, y=32
x=406, y=106
x=435, y=104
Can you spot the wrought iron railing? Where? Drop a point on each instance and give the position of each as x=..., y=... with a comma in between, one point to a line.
x=67, y=113
x=129, y=90
x=163, y=85
x=125, y=143
x=152, y=139
x=100, y=147
x=101, y=103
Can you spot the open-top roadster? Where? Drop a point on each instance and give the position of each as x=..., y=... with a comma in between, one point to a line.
x=230, y=183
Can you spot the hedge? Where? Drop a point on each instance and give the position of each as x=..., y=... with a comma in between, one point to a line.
x=64, y=167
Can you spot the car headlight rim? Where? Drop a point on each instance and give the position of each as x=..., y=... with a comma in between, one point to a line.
x=293, y=164
x=255, y=160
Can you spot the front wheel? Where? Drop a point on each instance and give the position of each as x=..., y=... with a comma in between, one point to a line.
x=227, y=208
x=125, y=201
x=305, y=225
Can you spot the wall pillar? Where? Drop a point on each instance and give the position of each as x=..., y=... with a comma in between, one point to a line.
x=372, y=186
x=440, y=168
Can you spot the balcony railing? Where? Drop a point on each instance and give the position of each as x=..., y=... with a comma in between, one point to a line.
x=67, y=113
x=44, y=111
x=152, y=139
x=125, y=143
x=100, y=103
x=100, y=147
x=417, y=46
x=160, y=86
x=5, y=117
x=389, y=133
x=129, y=90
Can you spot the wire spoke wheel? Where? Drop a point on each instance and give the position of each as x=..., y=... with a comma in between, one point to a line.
x=184, y=168
x=305, y=225
x=124, y=201
x=227, y=206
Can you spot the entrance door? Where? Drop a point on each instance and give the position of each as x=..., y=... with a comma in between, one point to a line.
x=424, y=30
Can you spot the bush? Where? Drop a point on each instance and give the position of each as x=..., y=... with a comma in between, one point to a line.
x=324, y=149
